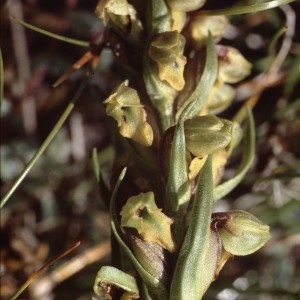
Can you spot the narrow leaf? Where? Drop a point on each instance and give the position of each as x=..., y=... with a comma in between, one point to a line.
x=1, y=78
x=248, y=156
x=245, y=9
x=200, y=94
x=45, y=144
x=190, y=276
x=96, y=164
x=52, y=35
x=178, y=190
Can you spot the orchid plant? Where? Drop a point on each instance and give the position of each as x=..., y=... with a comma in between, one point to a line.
x=172, y=151
x=171, y=147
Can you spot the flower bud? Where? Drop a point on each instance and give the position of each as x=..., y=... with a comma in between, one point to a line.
x=241, y=233
x=201, y=26
x=188, y=5
x=206, y=134
x=220, y=99
x=233, y=67
x=120, y=14
x=221, y=156
x=166, y=50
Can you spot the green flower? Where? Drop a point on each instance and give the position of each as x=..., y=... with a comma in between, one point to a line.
x=233, y=67
x=200, y=27
x=125, y=107
x=207, y=134
x=166, y=50
x=140, y=212
x=241, y=233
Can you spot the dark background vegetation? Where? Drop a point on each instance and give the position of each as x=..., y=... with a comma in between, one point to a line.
x=58, y=203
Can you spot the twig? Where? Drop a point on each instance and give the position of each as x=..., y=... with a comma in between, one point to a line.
x=42, y=269
x=45, y=284
x=271, y=76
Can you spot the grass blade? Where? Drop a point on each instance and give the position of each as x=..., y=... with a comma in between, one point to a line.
x=41, y=270
x=248, y=156
x=1, y=78
x=52, y=35
x=245, y=9
x=44, y=146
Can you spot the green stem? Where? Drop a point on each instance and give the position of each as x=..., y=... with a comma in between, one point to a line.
x=44, y=146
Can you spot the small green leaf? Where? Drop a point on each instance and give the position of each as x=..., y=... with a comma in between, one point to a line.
x=140, y=212
x=243, y=233
x=178, y=189
x=108, y=276
x=194, y=271
x=199, y=96
x=248, y=156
